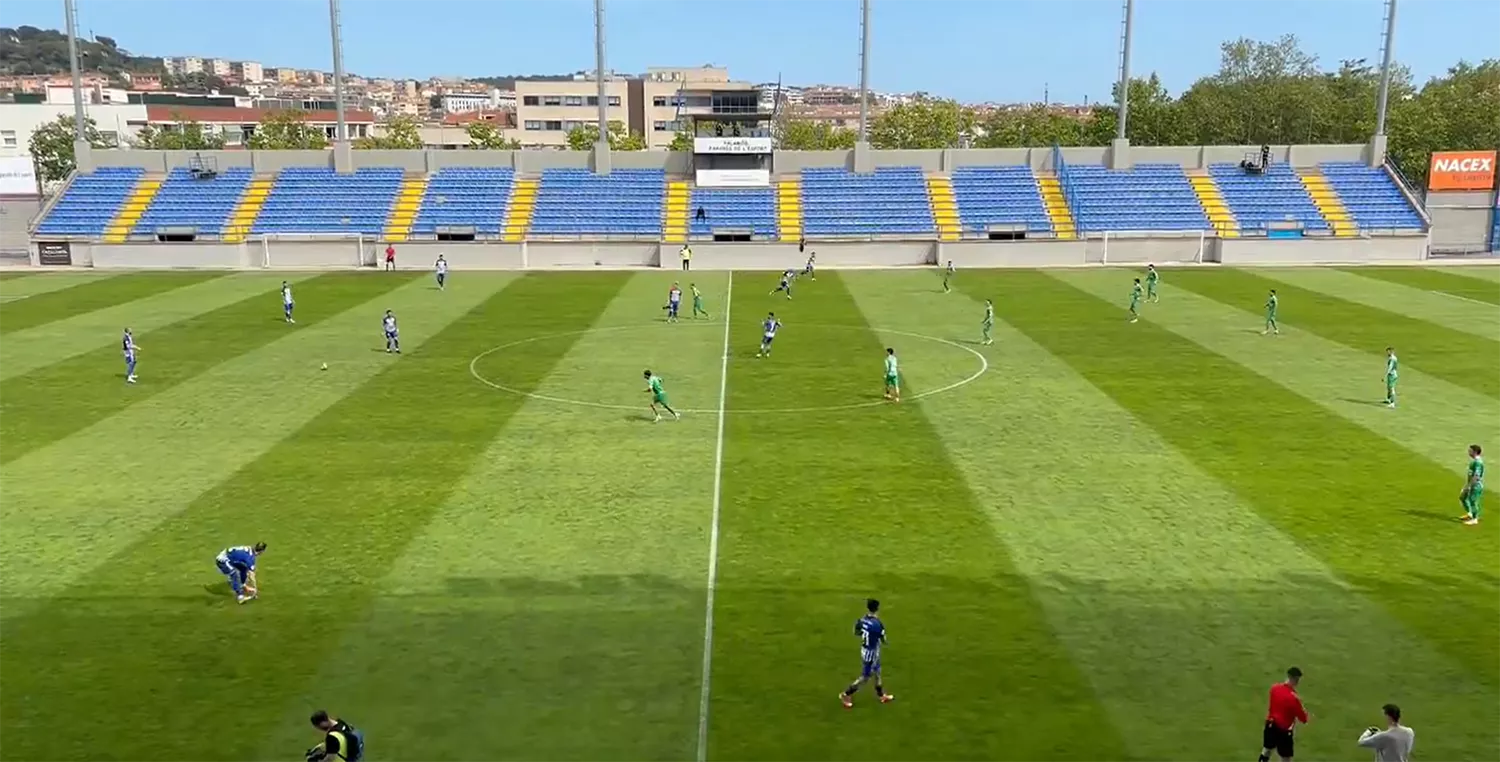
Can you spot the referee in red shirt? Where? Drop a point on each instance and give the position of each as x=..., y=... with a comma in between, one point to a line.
x=1285, y=711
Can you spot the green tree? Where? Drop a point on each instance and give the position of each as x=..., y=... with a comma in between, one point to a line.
x=181, y=136
x=1037, y=125
x=806, y=135
x=682, y=141
x=929, y=124
x=51, y=146
x=287, y=129
x=397, y=133
x=1454, y=112
x=486, y=136
x=584, y=136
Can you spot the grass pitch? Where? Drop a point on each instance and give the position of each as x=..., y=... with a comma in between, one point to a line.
x=1092, y=539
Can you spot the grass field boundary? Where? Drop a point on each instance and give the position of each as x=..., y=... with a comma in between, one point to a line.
x=1464, y=298
x=713, y=534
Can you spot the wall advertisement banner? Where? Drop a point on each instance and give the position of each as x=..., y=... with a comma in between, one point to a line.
x=734, y=178
x=1461, y=171
x=17, y=176
x=732, y=145
x=54, y=254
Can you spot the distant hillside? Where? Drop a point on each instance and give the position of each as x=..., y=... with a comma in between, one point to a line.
x=29, y=50
x=509, y=83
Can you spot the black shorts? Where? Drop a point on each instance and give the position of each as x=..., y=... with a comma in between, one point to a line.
x=1277, y=738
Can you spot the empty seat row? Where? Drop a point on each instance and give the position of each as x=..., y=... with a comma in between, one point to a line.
x=1371, y=196
x=465, y=197
x=91, y=201
x=578, y=202
x=889, y=200
x=193, y=200
x=742, y=208
x=318, y=200
x=1144, y=198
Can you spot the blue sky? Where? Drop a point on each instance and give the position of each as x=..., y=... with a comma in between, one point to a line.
x=973, y=50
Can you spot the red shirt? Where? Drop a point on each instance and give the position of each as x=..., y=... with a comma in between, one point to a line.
x=1286, y=707
x=390, y=252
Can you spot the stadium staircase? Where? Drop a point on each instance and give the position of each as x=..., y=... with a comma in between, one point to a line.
x=944, y=207
x=404, y=209
x=1056, y=205
x=1219, y=214
x=242, y=219
x=789, y=208
x=1328, y=202
x=518, y=211
x=118, y=230
x=674, y=223
x=1371, y=196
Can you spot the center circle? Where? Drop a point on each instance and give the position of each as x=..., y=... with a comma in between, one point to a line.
x=984, y=366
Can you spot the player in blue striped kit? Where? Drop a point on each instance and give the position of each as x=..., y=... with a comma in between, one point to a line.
x=392, y=336
x=129, y=347
x=768, y=334
x=238, y=564
x=440, y=269
x=286, y=301
x=871, y=633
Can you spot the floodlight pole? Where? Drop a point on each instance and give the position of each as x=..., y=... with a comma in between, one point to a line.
x=1123, y=99
x=1387, y=45
x=602, y=161
x=864, y=71
x=80, y=141
x=341, y=131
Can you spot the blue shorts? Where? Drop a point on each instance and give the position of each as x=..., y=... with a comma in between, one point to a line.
x=441, y=277
x=766, y=341
x=869, y=667
x=673, y=306
x=236, y=573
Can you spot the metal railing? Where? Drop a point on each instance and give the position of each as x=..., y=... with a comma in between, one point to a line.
x=1404, y=185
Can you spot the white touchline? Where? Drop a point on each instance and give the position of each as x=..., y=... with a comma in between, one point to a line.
x=1465, y=298
x=713, y=535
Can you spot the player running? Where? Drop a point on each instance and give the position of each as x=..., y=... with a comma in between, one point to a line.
x=440, y=271
x=988, y=324
x=1474, y=487
x=892, y=376
x=1271, y=305
x=871, y=633
x=658, y=397
x=768, y=334
x=1390, y=377
x=1152, y=277
x=786, y=284
x=948, y=276
x=392, y=334
x=128, y=345
x=287, y=305
x=698, y=302
x=238, y=564
x=674, y=303
x=807, y=269
x=1135, y=301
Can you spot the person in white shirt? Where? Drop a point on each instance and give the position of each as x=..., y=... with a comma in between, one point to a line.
x=1392, y=744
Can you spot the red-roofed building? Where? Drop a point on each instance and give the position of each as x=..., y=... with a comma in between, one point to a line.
x=237, y=124
x=503, y=120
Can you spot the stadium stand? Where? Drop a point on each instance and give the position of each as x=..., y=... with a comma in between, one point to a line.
x=889, y=200
x=1371, y=196
x=91, y=202
x=318, y=200
x=1275, y=196
x=741, y=208
x=999, y=196
x=1156, y=197
x=189, y=200
x=626, y=202
x=465, y=196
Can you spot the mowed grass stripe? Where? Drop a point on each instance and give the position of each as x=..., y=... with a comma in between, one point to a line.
x=598, y=593
x=25, y=351
x=50, y=403
x=1459, y=358
x=1361, y=504
x=29, y=284
x=153, y=459
x=1432, y=413
x=822, y=510
x=1470, y=317
x=45, y=307
x=1176, y=598
x=13, y=274
x=337, y=500
x=1490, y=273
x=1441, y=280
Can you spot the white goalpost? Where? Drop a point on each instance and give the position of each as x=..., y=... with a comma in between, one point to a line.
x=316, y=250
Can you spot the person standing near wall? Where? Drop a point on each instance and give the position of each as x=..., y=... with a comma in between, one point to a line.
x=687, y=257
x=390, y=257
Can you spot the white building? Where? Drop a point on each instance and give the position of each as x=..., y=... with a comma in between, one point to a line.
x=118, y=123
x=248, y=71
x=219, y=67
x=457, y=103
x=184, y=66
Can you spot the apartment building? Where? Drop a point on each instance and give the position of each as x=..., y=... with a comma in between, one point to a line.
x=670, y=97
x=183, y=66
x=459, y=102
x=219, y=67
x=548, y=110
x=247, y=71
x=286, y=76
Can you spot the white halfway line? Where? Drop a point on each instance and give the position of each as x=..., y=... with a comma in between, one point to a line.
x=713, y=535
x=1465, y=298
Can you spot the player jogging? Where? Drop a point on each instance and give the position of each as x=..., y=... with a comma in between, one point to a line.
x=807, y=269
x=768, y=334
x=1152, y=276
x=698, y=302
x=988, y=324
x=1271, y=305
x=1473, y=486
x=1284, y=712
x=238, y=564
x=871, y=633
x=1135, y=301
x=948, y=276
x=674, y=303
x=286, y=302
x=1390, y=377
x=440, y=271
x=892, y=376
x=129, y=347
x=786, y=284
x=658, y=397
x=392, y=334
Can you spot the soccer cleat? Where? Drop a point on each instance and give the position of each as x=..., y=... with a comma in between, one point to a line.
x=887, y=698
x=130, y=379
x=241, y=598
x=846, y=700
x=676, y=416
x=1471, y=521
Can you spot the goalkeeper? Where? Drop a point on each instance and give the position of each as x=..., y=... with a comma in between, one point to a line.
x=340, y=741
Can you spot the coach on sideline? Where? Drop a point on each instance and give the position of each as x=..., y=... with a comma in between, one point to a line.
x=1392, y=744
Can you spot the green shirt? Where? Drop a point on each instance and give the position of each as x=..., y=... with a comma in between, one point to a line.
x=989, y=314
x=890, y=365
x=1390, y=366
x=1271, y=306
x=696, y=295
x=1476, y=471
x=656, y=385
x=1151, y=277
x=1135, y=293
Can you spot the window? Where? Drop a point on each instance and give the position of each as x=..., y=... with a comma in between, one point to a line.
x=661, y=126
x=593, y=100
x=614, y=100
x=569, y=125
x=8, y=138
x=533, y=124
x=573, y=100
x=659, y=101
x=551, y=100
x=554, y=125
x=531, y=100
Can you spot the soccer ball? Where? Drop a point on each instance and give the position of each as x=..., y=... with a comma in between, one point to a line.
x=325, y=366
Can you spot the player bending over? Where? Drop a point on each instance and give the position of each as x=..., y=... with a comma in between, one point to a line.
x=892, y=377
x=768, y=334
x=287, y=305
x=786, y=284
x=238, y=564
x=871, y=633
x=392, y=334
x=658, y=397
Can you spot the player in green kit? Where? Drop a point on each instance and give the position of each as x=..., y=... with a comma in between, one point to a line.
x=1152, y=276
x=892, y=377
x=1135, y=301
x=698, y=302
x=948, y=276
x=658, y=396
x=1271, y=326
x=1473, y=487
x=1390, y=376
x=989, y=322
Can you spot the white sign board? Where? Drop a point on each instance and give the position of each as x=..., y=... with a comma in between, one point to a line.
x=732, y=145
x=17, y=176
x=734, y=178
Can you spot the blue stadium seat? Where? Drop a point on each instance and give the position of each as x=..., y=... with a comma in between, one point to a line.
x=887, y=201
x=1259, y=199
x=185, y=200
x=741, y=208
x=91, y=202
x=625, y=202
x=1371, y=196
x=1150, y=197
x=465, y=196
x=319, y=200
x=999, y=196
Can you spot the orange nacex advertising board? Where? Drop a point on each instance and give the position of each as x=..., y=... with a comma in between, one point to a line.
x=1462, y=170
